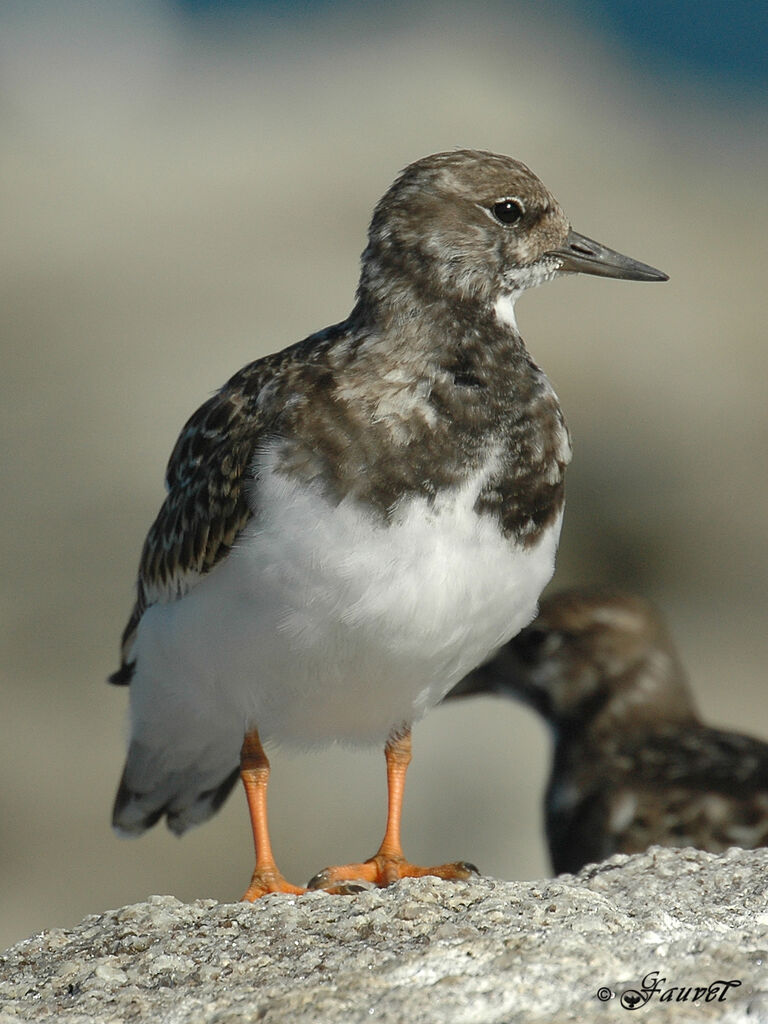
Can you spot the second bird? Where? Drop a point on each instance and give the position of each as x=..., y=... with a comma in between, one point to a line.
x=633, y=764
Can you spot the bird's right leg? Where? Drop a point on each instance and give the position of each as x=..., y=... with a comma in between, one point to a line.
x=389, y=864
x=254, y=771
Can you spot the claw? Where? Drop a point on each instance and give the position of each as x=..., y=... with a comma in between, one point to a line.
x=265, y=881
x=382, y=871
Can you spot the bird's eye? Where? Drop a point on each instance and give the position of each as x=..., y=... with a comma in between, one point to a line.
x=507, y=211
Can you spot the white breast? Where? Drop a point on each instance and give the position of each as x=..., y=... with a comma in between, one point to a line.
x=326, y=624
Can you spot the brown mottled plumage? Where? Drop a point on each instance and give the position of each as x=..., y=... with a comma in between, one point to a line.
x=354, y=522
x=633, y=764
x=336, y=397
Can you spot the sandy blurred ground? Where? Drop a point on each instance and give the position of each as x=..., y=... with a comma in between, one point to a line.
x=176, y=205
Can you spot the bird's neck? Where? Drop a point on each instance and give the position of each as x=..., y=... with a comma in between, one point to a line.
x=471, y=328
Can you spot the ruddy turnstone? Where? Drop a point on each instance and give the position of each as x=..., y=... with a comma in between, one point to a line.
x=633, y=764
x=354, y=523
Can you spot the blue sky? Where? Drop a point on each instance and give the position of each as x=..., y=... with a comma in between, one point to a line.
x=722, y=44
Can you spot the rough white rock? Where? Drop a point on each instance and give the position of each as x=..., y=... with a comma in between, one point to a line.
x=424, y=951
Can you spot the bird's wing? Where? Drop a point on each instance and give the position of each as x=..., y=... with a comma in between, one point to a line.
x=705, y=758
x=699, y=787
x=696, y=786
x=206, y=506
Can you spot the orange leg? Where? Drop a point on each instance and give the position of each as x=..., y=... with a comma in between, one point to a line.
x=389, y=864
x=254, y=771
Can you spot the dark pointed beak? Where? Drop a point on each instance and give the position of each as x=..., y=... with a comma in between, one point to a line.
x=507, y=674
x=581, y=255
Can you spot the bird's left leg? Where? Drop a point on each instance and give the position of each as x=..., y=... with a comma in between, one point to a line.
x=254, y=771
x=389, y=863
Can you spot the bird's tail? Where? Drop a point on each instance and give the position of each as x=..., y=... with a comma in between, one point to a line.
x=184, y=796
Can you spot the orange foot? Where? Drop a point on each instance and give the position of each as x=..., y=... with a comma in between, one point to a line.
x=268, y=880
x=383, y=870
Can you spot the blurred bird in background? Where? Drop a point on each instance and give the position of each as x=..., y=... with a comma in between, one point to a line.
x=632, y=763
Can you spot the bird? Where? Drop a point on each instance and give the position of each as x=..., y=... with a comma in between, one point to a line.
x=353, y=523
x=633, y=764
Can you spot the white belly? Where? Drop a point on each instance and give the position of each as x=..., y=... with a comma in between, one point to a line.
x=323, y=624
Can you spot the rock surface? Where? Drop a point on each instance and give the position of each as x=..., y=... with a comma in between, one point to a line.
x=424, y=952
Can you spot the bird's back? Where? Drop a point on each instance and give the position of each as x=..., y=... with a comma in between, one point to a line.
x=689, y=785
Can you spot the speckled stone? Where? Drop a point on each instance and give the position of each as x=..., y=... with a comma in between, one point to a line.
x=478, y=952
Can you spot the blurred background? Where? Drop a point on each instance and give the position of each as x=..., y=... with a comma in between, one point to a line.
x=186, y=186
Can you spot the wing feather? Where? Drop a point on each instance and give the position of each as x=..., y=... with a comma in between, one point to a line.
x=206, y=506
x=708, y=759
x=207, y=475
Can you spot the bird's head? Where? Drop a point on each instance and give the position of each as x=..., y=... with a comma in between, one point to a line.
x=468, y=224
x=591, y=655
